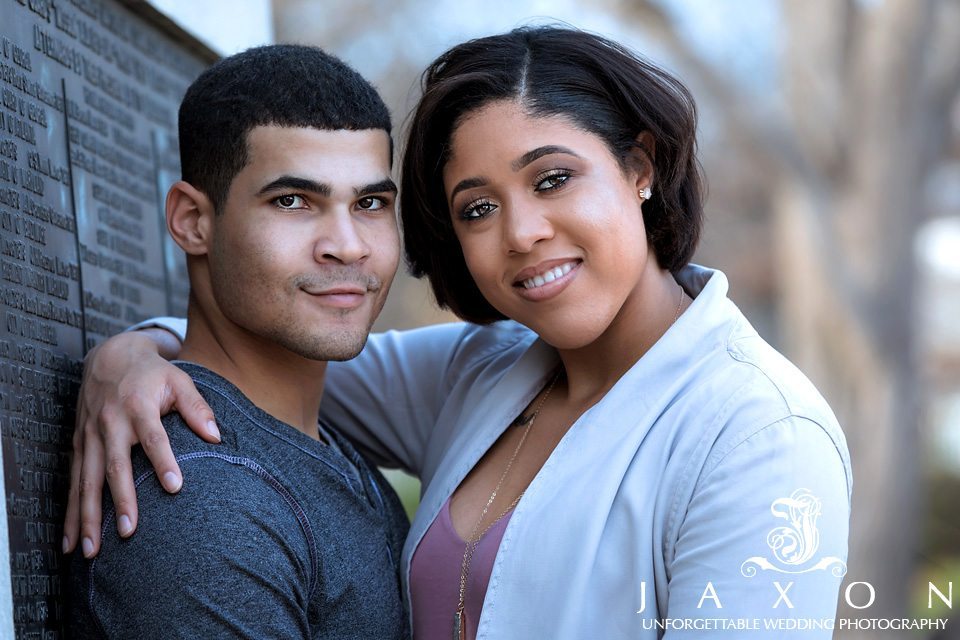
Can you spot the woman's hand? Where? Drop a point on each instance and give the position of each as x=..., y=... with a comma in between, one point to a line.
x=127, y=386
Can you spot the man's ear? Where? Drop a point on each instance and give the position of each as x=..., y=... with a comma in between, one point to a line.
x=641, y=161
x=190, y=218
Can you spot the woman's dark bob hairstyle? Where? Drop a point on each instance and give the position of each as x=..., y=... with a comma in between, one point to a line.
x=601, y=87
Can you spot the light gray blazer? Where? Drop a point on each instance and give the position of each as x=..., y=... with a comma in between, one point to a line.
x=710, y=472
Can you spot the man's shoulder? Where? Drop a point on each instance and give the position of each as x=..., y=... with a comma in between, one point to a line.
x=229, y=526
x=223, y=493
x=230, y=511
x=219, y=392
x=233, y=411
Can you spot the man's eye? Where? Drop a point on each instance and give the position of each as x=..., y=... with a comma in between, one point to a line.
x=371, y=203
x=290, y=202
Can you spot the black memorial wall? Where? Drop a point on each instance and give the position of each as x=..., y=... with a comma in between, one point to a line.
x=89, y=91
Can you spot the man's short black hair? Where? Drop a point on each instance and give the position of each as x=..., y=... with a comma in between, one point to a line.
x=285, y=85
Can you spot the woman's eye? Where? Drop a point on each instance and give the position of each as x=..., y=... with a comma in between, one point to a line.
x=552, y=181
x=477, y=210
x=371, y=203
x=290, y=202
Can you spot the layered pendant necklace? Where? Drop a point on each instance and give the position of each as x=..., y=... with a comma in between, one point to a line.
x=459, y=616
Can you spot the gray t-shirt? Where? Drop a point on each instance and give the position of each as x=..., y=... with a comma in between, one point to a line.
x=274, y=535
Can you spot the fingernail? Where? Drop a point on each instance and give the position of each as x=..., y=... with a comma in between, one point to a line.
x=171, y=481
x=66, y=543
x=124, y=526
x=87, y=548
x=213, y=430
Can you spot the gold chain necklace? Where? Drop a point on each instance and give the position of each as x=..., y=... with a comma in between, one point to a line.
x=459, y=620
x=679, y=304
x=459, y=626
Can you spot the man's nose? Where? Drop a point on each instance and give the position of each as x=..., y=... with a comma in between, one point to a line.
x=340, y=240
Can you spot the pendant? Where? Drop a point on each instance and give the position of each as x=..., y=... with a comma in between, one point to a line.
x=459, y=626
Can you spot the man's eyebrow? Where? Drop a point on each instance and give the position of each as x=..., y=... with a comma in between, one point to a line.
x=384, y=186
x=298, y=184
x=539, y=152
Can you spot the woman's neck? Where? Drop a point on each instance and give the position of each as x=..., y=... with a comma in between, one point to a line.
x=649, y=311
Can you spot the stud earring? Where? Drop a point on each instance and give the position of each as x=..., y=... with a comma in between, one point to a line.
x=645, y=193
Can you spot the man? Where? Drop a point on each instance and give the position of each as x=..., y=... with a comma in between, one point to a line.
x=286, y=214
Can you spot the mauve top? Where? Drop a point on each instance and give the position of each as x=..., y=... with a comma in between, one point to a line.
x=435, y=577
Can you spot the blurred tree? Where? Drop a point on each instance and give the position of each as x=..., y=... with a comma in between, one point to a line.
x=868, y=90
x=834, y=155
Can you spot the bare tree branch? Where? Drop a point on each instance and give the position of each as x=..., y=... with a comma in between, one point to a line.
x=767, y=136
x=941, y=83
x=777, y=147
x=815, y=65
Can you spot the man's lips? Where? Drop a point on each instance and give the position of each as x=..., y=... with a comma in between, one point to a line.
x=338, y=280
x=336, y=290
x=339, y=297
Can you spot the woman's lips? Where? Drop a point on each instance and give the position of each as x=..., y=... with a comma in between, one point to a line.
x=548, y=280
x=548, y=275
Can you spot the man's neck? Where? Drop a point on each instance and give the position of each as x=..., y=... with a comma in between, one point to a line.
x=282, y=383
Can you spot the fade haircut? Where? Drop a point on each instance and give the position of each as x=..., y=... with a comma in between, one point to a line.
x=283, y=85
x=600, y=86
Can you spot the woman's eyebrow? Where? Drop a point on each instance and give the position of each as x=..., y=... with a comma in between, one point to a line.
x=516, y=165
x=469, y=183
x=539, y=152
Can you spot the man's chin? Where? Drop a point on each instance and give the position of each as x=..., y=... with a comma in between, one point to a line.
x=329, y=348
x=340, y=357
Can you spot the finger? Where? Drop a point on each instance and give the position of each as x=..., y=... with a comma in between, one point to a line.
x=120, y=479
x=153, y=438
x=91, y=494
x=193, y=408
x=71, y=522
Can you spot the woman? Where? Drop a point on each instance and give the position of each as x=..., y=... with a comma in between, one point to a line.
x=625, y=448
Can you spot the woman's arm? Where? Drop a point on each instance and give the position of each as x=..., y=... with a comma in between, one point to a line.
x=386, y=400
x=764, y=535
x=127, y=386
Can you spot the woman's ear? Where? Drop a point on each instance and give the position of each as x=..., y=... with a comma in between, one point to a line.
x=641, y=160
x=189, y=218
